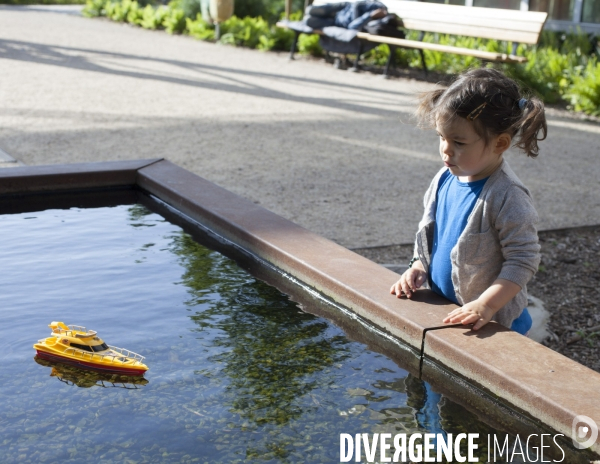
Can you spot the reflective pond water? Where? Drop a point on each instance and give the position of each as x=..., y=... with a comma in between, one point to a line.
x=237, y=371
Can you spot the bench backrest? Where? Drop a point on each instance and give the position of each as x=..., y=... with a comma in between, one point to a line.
x=487, y=23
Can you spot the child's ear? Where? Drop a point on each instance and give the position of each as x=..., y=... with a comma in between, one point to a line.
x=503, y=142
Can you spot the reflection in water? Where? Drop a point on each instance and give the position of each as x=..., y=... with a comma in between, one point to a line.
x=437, y=414
x=268, y=349
x=138, y=215
x=269, y=346
x=74, y=376
x=240, y=374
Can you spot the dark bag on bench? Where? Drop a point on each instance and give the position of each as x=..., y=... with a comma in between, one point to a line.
x=386, y=26
x=341, y=40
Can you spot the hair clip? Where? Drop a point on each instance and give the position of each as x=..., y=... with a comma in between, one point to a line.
x=473, y=115
x=522, y=103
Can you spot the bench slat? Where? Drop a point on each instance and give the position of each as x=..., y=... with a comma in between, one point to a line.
x=491, y=23
x=423, y=9
x=473, y=31
x=491, y=56
x=420, y=9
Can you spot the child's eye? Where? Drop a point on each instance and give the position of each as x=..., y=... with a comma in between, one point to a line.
x=460, y=144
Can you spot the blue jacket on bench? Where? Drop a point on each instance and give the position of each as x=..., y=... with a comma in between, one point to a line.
x=349, y=15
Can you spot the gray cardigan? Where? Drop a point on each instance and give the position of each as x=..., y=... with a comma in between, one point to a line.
x=499, y=241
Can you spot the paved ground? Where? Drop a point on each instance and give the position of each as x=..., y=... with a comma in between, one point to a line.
x=331, y=150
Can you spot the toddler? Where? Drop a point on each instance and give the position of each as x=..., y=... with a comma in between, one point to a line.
x=477, y=243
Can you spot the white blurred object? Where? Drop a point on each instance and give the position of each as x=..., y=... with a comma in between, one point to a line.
x=205, y=10
x=539, y=315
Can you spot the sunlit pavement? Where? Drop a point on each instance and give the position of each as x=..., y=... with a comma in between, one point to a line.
x=331, y=150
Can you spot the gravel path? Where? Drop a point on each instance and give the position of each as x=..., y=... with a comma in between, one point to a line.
x=569, y=284
x=331, y=150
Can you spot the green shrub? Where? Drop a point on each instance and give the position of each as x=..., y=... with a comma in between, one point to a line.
x=114, y=11
x=276, y=39
x=200, y=29
x=136, y=14
x=174, y=22
x=584, y=93
x=309, y=45
x=378, y=56
x=447, y=62
x=244, y=32
x=153, y=18
x=576, y=41
x=94, y=8
x=553, y=63
x=294, y=15
x=191, y=8
x=548, y=72
x=271, y=10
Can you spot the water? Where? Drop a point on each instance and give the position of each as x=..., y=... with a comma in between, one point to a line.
x=237, y=371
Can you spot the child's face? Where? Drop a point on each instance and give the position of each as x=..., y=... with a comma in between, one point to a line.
x=465, y=153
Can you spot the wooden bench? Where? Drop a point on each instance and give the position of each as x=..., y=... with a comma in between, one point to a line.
x=487, y=23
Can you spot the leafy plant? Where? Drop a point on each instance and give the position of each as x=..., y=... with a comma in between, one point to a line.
x=378, y=56
x=309, y=45
x=191, y=8
x=566, y=42
x=117, y=11
x=94, y=8
x=136, y=14
x=199, y=28
x=584, y=93
x=294, y=16
x=276, y=39
x=447, y=62
x=153, y=18
x=546, y=72
x=245, y=32
x=174, y=22
x=271, y=10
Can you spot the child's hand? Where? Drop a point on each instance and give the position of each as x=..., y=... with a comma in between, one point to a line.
x=412, y=279
x=475, y=312
x=481, y=311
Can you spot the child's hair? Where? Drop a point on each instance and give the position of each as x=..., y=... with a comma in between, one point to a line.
x=494, y=104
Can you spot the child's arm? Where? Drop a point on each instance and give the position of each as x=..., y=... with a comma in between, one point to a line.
x=412, y=279
x=481, y=311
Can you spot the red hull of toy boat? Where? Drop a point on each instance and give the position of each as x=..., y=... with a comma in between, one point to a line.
x=88, y=365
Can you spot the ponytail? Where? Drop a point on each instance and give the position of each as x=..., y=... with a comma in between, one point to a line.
x=530, y=126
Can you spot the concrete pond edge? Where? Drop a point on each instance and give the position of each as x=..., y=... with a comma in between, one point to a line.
x=519, y=372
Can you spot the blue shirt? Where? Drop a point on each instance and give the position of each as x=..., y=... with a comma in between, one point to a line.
x=455, y=201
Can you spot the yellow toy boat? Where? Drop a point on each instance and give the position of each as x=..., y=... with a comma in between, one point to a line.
x=76, y=345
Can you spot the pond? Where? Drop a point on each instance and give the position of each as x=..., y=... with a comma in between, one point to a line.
x=238, y=372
